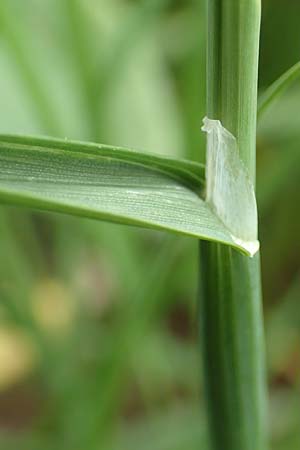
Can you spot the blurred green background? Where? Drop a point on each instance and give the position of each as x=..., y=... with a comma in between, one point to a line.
x=98, y=322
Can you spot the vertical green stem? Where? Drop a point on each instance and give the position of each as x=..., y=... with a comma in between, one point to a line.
x=231, y=315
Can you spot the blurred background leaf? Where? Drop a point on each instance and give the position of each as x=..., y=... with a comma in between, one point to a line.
x=98, y=336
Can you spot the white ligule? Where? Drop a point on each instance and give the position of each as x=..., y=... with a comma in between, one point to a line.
x=229, y=190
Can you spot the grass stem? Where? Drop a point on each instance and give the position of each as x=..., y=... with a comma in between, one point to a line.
x=230, y=293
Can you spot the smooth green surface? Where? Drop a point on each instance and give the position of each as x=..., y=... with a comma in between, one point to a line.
x=232, y=334
x=108, y=183
x=230, y=294
x=277, y=88
x=232, y=59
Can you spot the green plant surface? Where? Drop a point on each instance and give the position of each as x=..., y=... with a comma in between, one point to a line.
x=277, y=89
x=108, y=183
x=230, y=288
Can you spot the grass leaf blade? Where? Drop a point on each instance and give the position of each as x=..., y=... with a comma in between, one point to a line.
x=277, y=88
x=108, y=183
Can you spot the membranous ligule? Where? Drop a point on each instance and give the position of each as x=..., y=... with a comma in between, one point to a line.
x=229, y=190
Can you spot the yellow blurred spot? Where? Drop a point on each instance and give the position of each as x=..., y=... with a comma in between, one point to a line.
x=17, y=356
x=52, y=307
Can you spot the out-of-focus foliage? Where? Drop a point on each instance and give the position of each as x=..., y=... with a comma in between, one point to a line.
x=98, y=336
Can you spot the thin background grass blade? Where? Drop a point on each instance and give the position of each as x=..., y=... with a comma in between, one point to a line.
x=277, y=88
